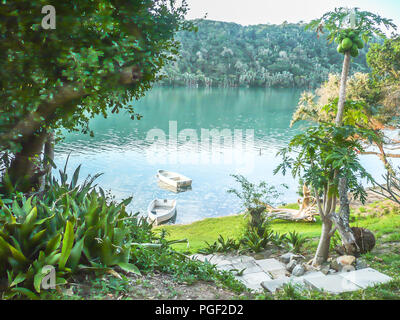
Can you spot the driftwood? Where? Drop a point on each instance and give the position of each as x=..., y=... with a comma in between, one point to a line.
x=306, y=212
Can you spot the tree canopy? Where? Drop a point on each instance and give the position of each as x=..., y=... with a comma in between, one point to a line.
x=92, y=60
x=102, y=54
x=228, y=54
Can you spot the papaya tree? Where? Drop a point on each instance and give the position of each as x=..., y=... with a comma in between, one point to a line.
x=101, y=56
x=351, y=29
x=320, y=156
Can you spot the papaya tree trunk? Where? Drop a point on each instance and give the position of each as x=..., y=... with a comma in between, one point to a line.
x=322, y=252
x=342, y=221
x=326, y=208
x=343, y=87
x=25, y=170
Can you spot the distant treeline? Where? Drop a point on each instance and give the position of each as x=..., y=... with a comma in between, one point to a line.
x=224, y=54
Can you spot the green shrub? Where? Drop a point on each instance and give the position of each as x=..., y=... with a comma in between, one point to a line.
x=295, y=241
x=71, y=227
x=221, y=246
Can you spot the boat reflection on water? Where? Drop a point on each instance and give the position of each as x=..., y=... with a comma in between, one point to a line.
x=173, y=189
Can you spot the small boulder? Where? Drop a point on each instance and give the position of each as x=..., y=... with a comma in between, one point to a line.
x=335, y=265
x=285, y=258
x=290, y=266
x=331, y=271
x=346, y=260
x=348, y=268
x=298, y=270
x=361, y=264
x=325, y=269
x=259, y=256
x=309, y=267
x=365, y=239
x=297, y=257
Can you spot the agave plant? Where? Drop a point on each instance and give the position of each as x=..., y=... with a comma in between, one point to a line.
x=26, y=246
x=72, y=227
x=295, y=241
x=256, y=243
x=221, y=245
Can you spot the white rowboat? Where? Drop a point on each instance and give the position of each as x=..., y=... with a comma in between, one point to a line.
x=161, y=210
x=174, y=179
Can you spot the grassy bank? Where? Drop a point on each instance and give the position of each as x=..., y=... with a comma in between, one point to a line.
x=381, y=217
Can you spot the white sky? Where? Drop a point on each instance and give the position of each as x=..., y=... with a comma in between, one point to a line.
x=248, y=12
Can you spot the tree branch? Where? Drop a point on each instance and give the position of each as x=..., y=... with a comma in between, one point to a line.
x=69, y=92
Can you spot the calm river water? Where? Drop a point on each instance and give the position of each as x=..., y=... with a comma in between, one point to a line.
x=247, y=127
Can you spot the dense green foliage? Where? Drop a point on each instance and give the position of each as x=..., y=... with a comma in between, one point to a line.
x=384, y=60
x=77, y=228
x=102, y=54
x=228, y=54
x=70, y=227
x=317, y=153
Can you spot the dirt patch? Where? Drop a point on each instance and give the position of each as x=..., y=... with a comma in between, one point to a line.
x=157, y=286
x=372, y=197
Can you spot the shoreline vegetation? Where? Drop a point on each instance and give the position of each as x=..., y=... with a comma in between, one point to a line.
x=233, y=226
x=223, y=54
x=381, y=216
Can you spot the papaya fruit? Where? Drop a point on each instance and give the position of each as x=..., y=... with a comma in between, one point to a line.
x=352, y=35
x=359, y=43
x=340, y=49
x=354, y=51
x=347, y=44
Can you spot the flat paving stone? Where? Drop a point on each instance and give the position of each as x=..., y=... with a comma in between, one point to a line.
x=215, y=259
x=275, y=284
x=247, y=267
x=254, y=286
x=223, y=262
x=300, y=280
x=256, y=277
x=332, y=283
x=365, y=278
x=200, y=257
x=270, y=265
x=278, y=274
x=239, y=259
x=225, y=267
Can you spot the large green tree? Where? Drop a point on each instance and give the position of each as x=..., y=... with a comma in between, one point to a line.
x=102, y=54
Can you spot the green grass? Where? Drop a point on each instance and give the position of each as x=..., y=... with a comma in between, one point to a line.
x=205, y=230
x=233, y=227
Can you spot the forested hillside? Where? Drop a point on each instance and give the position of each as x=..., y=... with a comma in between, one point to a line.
x=228, y=55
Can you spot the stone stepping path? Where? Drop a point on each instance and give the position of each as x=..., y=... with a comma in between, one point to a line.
x=271, y=274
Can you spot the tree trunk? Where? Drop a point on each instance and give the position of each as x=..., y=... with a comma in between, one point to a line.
x=24, y=171
x=342, y=221
x=48, y=158
x=343, y=87
x=322, y=252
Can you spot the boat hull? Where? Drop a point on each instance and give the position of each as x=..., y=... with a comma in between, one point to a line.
x=161, y=210
x=174, y=179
